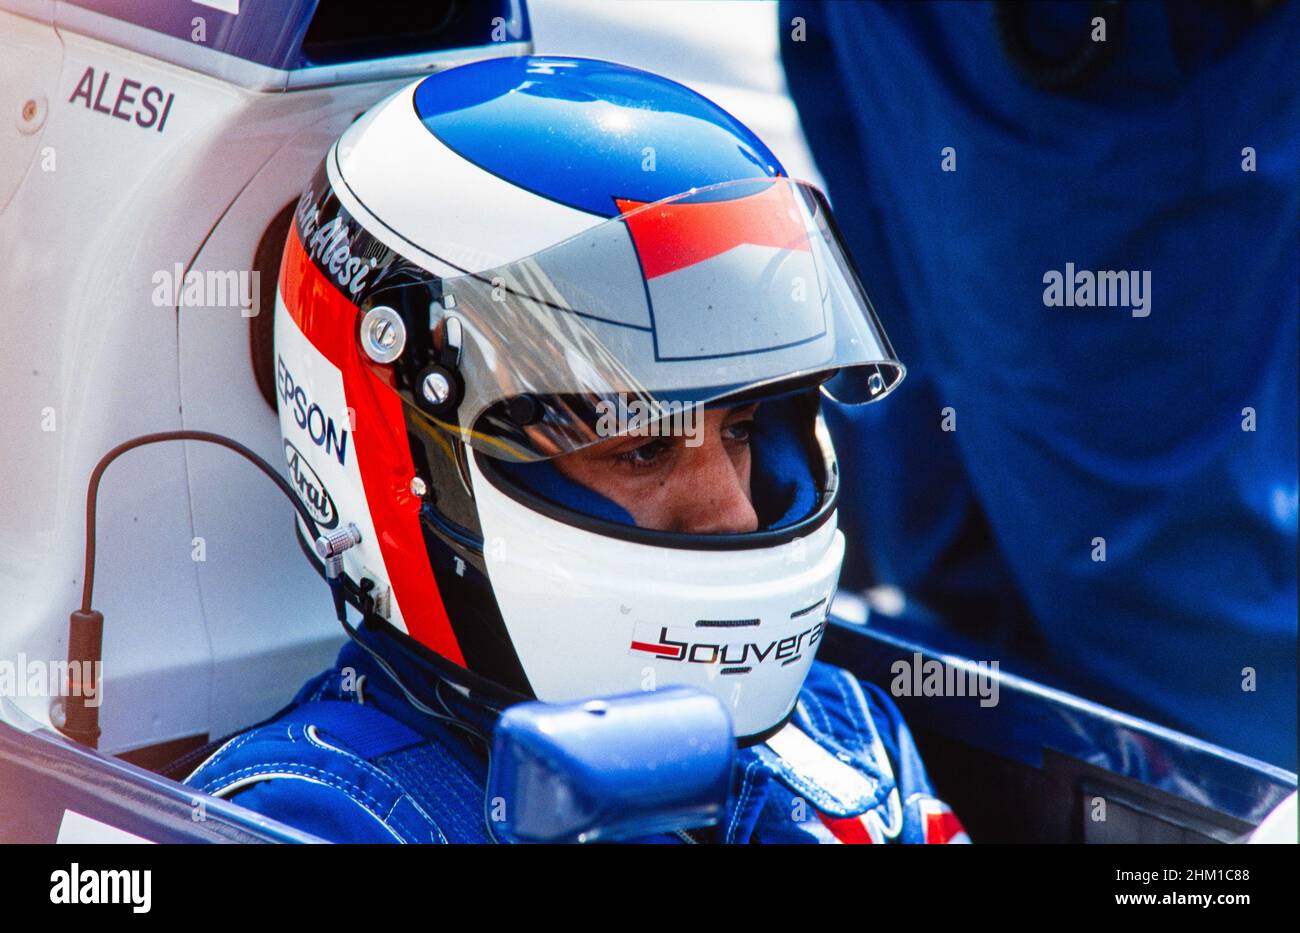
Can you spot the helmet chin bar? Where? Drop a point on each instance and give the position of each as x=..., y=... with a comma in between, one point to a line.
x=591, y=614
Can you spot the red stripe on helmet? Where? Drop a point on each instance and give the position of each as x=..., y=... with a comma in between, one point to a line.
x=329, y=321
x=679, y=234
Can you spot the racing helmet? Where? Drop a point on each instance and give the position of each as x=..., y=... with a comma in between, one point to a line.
x=511, y=260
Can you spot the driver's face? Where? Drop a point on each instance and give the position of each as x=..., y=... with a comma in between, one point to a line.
x=666, y=485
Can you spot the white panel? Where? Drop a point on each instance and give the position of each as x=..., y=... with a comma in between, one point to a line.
x=225, y=6
x=88, y=353
x=77, y=829
x=86, y=345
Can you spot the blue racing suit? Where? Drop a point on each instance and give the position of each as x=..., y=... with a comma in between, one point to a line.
x=351, y=760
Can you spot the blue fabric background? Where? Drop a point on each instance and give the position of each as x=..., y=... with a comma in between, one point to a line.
x=1074, y=423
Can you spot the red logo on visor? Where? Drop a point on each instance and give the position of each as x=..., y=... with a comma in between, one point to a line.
x=680, y=234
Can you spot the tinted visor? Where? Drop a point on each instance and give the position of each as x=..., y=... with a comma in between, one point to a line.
x=692, y=300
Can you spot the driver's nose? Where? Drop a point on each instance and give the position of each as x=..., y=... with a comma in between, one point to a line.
x=709, y=491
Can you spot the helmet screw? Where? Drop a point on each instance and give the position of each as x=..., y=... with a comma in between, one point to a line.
x=383, y=334
x=418, y=487
x=524, y=409
x=436, y=388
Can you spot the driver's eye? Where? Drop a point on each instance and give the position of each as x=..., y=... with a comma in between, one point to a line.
x=646, y=454
x=741, y=431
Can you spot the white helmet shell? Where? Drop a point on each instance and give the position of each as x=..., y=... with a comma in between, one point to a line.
x=547, y=235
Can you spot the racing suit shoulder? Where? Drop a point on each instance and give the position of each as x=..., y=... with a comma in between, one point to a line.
x=321, y=767
x=846, y=770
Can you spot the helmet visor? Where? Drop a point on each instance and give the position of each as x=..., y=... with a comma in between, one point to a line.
x=680, y=303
